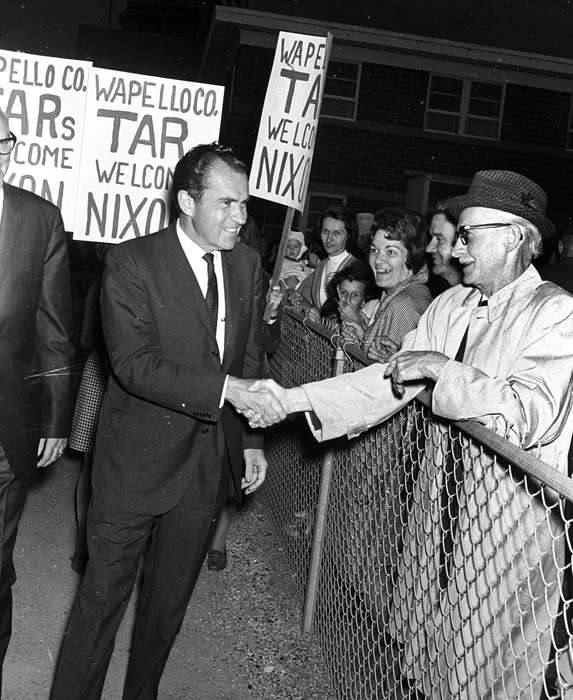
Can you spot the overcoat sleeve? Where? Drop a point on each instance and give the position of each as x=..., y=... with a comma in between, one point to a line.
x=54, y=345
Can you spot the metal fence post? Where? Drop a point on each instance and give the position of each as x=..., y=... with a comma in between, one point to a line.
x=320, y=519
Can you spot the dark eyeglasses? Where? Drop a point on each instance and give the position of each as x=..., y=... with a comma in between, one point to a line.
x=7, y=144
x=463, y=231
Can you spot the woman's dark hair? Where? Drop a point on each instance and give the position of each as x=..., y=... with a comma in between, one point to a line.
x=357, y=271
x=406, y=226
x=340, y=214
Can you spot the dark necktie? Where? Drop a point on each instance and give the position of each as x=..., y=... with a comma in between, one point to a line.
x=212, y=296
x=453, y=477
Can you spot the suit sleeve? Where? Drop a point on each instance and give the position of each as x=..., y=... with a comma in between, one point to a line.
x=54, y=333
x=134, y=350
x=255, y=364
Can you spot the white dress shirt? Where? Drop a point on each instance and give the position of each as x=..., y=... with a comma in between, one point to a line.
x=194, y=255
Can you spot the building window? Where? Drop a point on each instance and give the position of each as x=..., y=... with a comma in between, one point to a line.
x=341, y=90
x=464, y=107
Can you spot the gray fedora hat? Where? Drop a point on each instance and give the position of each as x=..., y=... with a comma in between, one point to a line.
x=506, y=191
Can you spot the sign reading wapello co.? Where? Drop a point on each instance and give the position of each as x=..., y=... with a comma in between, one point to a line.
x=137, y=128
x=44, y=99
x=287, y=131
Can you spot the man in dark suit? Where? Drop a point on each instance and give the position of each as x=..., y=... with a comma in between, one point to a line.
x=181, y=311
x=36, y=355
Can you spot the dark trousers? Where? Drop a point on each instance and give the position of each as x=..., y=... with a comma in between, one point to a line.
x=173, y=545
x=12, y=500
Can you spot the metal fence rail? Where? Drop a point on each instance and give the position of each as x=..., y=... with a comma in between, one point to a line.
x=445, y=560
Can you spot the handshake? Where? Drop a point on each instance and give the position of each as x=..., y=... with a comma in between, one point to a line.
x=263, y=402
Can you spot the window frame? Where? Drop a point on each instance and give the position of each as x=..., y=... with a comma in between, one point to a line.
x=463, y=114
x=340, y=98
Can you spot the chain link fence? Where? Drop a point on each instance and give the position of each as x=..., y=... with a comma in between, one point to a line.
x=433, y=557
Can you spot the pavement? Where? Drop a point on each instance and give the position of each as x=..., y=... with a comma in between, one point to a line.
x=241, y=638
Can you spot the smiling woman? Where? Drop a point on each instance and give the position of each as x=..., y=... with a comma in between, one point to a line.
x=396, y=257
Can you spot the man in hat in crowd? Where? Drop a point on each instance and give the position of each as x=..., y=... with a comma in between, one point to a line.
x=497, y=350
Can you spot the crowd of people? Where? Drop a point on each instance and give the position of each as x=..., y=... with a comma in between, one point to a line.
x=175, y=381
x=495, y=349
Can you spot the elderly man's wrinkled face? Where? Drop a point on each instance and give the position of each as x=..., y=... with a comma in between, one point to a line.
x=484, y=256
x=442, y=240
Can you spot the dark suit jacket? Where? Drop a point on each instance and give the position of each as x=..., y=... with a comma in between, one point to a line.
x=35, y=328
x=161, y=424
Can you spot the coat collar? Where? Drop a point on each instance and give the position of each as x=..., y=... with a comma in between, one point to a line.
x=512, y=293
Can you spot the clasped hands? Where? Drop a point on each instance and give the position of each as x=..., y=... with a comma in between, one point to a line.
x=263, y=402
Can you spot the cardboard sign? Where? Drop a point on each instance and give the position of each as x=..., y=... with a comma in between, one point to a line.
x=137, y=128
x=44, y=100
x=287, y=131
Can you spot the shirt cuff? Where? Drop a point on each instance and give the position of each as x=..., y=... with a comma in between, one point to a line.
x=224, y=392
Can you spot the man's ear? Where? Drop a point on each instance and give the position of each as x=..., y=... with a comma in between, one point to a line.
x=186, y=202
x=560, y=248
x=514, y=236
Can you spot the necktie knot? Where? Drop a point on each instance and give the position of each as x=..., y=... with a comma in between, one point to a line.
x=208, y=258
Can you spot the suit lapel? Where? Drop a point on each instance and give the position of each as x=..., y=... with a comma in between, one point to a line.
x=184, y=280
x=11, y=243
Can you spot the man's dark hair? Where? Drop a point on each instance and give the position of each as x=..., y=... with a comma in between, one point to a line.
x=191, y=171
x=443, y=209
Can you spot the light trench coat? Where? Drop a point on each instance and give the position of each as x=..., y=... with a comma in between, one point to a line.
x=488, y=634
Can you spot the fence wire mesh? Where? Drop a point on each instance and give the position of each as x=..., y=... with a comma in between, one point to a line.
x=445, y=570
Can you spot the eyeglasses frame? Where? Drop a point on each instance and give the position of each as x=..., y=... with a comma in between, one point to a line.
x=462, y=231
x=10, y=139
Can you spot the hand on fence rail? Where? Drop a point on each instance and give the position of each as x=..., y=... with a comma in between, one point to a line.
x=261, y=407
x=412, y=366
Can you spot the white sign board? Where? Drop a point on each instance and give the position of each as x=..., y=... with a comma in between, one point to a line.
x=137, y=128
x=44, y=100
x=287, y=131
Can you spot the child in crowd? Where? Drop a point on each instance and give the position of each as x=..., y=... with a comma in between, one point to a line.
x=295, y=268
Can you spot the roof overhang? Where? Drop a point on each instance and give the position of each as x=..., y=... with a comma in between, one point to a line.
x=431, y=54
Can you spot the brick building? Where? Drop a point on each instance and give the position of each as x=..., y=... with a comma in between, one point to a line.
x=406, y=118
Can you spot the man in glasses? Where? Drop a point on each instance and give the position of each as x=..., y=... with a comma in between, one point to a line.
x=36, y=355
x=497, y=349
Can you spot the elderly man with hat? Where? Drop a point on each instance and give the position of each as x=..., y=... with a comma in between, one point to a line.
x=498, y=349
